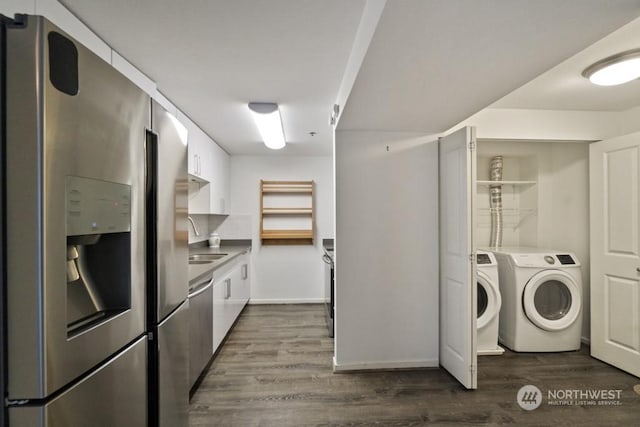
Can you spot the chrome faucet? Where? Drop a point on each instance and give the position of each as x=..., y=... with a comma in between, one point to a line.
x=193, y=224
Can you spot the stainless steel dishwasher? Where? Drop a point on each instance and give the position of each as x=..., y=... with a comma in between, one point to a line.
x=200, y=326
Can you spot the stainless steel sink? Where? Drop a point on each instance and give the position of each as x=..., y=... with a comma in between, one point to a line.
x=199, y=262
x=202, y=258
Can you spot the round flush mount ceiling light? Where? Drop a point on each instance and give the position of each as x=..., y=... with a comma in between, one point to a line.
x=615, y=70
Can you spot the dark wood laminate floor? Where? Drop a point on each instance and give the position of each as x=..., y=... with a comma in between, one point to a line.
x=275, y=370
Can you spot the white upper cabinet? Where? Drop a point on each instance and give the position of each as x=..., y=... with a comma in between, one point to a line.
x=199, y=158
x=204, y=152
x=208, y=172
x=219, y=187
x=199, y=155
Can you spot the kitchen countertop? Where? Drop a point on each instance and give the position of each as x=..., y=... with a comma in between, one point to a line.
x=233, y=249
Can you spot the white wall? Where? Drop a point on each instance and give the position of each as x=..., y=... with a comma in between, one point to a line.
x=386, y=250
x=503, y=123
x=564, y=219
x=291, y=273
x=631, y=123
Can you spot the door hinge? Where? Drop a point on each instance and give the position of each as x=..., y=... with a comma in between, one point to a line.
x=472, y=144
x=472, y=257
x=472, y=369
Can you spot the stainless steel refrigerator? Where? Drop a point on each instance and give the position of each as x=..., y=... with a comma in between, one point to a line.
x=73, y=135
x=92, y=304
x=167, y=264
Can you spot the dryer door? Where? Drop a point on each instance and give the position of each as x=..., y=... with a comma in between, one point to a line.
x=489, y=300
x=552, y=300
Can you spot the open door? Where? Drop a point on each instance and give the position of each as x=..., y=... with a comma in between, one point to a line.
x=457, y=260
x=615, y=251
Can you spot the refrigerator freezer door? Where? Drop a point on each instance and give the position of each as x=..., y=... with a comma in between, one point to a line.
x=173, y=366
x=114, y=395
x=65, y=121
x=172, y=210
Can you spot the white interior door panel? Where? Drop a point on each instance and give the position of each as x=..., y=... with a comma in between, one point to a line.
x=458, y=332
x=615, y=251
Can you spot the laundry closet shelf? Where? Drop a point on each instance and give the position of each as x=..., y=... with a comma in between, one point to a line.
x=487, y=183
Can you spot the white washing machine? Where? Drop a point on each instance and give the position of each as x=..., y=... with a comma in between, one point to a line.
x=489, y=302
x=541, y=299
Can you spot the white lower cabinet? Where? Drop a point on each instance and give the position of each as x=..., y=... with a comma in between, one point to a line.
x=230, y=294
x=245, y=287
x=219, y=300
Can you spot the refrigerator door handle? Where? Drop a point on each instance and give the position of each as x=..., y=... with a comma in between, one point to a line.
x=228, y=289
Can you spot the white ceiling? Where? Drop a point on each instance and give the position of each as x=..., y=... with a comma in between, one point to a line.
x=433, y=63
x=430, y=64
x=564, y=88
x=212, y=57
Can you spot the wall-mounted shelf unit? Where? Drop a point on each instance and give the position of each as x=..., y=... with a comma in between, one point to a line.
x=287, y=212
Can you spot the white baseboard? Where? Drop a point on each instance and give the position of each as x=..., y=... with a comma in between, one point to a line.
x=383, y=365
x=253, y=301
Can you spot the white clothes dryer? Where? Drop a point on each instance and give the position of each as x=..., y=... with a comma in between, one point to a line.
x=542, y=299
x=489, y=302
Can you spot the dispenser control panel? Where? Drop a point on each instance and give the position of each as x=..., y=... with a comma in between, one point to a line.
x=97, y=207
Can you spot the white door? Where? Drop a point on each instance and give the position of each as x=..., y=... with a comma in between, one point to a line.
x=458, y=306
x=615, y=251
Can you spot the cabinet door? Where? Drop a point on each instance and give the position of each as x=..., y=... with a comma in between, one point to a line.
x=219, y=302
x=245, y=277
x=192, y=165
x=198, y=183
x=206, y=157
x=235, y=302
x=193, y=148
x=220, y=181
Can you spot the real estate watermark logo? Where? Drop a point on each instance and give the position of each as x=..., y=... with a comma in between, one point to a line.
x=529, y=397
x=585, y=397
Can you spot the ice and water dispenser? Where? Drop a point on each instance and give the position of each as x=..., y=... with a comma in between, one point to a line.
x=98, y=221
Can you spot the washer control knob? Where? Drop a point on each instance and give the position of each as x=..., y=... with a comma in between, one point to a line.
x=549, y=259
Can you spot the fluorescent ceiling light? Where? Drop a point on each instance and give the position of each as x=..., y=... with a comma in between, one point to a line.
x=267, y=118
x=615, y=70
